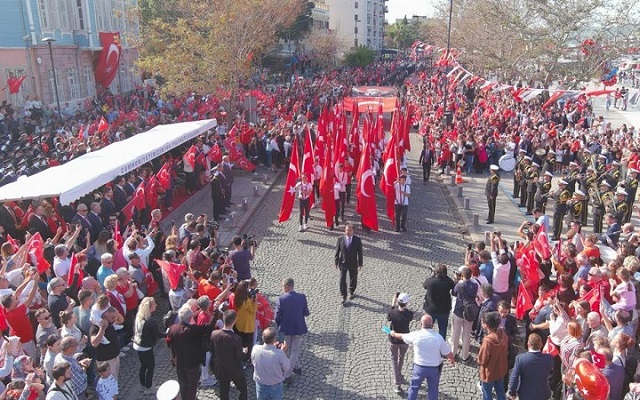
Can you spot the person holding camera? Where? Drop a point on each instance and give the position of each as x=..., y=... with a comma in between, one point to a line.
x=243, y=301
x=270, y=364
x=437, y=299
x=400, y=317
x=464, y=312
x=241, y=256
x=501, y=268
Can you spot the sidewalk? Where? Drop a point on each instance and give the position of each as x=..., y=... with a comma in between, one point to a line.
x=249, y=188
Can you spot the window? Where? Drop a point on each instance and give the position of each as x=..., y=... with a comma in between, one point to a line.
x=89, y=81
x=103, y=15
x=355, y=17
x=79, y=14
x=74, y=84
x=355, y=30
x=48, y=14
x=63, y=12
x=356, y=5
x=355, y=42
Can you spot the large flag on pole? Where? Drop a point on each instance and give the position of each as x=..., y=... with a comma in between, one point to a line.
x=289, y=195
x=307, y=160
x=366, y=191
x=326, y=186
x=390, y=175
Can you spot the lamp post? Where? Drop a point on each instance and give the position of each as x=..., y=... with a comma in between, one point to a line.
x=48, y=40
x=447, y=58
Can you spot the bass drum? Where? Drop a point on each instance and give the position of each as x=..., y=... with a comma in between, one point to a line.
x=507, y=163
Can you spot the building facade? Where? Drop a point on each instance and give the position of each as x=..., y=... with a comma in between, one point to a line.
x=74, y=25
x=359, y=22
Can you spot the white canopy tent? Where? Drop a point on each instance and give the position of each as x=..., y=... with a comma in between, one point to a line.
x=80, y=176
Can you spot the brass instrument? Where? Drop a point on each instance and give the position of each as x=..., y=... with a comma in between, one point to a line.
x=541, y=152
x=595, y=195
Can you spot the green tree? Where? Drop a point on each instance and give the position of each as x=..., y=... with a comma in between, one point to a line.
x=301, y=26
x=360, y=56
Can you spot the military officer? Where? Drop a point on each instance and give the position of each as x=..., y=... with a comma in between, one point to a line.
x=524, y=171
x=613, y=177
x=517, y=174
x=532, y=185
x=549, y=162
x=217, y=195
x=573, y=176
x=589, y=180
x=561, y=196
x=601, y=166
x=621, y=208
x=599, y=205
x=491, y=191
x=542, y=194
x=631, y=186
x=578, y=207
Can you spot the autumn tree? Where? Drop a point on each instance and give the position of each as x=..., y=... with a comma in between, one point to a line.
x=202, y=45
x=325, y=47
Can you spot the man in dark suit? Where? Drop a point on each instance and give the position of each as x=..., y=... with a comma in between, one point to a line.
x=348, y=259
x=291, y=311
x=95, y=220
x=426, y=160
x=530, y=374
x=119, y=193
x=82, y=212
x=107, y=206
x=38, y=223
x=612, y=235
x=130, y=186
x=9, y=221
x=227, y=357
x=185, y=342
x=226, y=168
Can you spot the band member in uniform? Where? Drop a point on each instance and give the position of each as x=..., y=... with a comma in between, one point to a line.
x=561, y=196
x=542, y=194
x=342, y=178
x=491, y=191
x=578, y=207
x=402, y=192
x=589, y=180
x=305, y=190
x=517, y=174
x=426, y=160
x=601, y=166
x=631, y=186
x=599, y=200
x=621, y=208
x=613, y=177
x=524, y=171
x=317, y=174
x=532, y=185
x=549, y=162
x=572, y=177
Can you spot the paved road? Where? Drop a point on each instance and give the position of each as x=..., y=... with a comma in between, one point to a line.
x=345, y=354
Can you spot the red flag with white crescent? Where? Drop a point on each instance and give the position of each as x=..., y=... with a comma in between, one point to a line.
x=35, y=248
x=173, y=271
x=102, y=125
x=326, y=186
x=523, y=303
x=75, y=266
x=106, y=67
x=14, y=83
x=390, y=175
x=164, y=176
x=550, y=348
x=151, y=192
x=215, y=154
x=139, y=196
x=366, y=190
x=190, y=156
x=289, y=195
x=307, y=161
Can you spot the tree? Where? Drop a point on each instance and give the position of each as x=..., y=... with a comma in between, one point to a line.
x=302, y=25
x=203, y=45
x=403, y=34
x=360, y=56
x=325, y=47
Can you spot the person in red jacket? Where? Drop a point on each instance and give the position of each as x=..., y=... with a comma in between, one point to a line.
x=16, y=312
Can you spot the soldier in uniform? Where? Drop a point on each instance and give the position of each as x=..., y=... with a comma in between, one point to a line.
x=578, y=207
x=549, y=162
x=524, y=171
x=561, y=196
x=491, y=191
x=572, y=177
x=589, y=180
x=599, y=205
x=517, y=174
x=613, y=177
x=621, y=209
x=542, y=194
x=631, y=187
x=532, y=185
x=601, y=167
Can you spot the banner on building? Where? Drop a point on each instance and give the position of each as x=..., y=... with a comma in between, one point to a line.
x=106, y=67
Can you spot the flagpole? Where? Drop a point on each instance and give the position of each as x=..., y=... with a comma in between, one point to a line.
x=444, y=111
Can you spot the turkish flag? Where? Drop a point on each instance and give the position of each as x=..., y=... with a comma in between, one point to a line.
x=190, y=156
x=390, y=175
x=554, y=97
x=406, y=128
x=129, y=209
x=379, y=128
x=164, y=176
x=173, y=271
x=102, y=125
x=14, y=83
x=550, y=348
x=245, y=164
x=106, y=67
x=35, y=248
x=13, y=242
x=72, y=270
x=366, y=190
x=151, y=192
x=27, y=216
x=215, y=154
x=524, y=302
x=117, y=235
x=541, y=244
x=139, y=196
x=289, y=195
x=307, y=161
x=326, y=186
x=202, y=159
x=594, y=297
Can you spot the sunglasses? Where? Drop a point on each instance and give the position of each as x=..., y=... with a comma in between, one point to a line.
x=46, y=318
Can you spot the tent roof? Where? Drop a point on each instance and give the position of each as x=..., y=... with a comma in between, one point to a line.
x=80, y=176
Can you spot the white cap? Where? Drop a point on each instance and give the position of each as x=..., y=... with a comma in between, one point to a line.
x=548, y=174
x=168, y=390
x=494, y=167
x=579, y=192
x=634, y=170
x=535, y=164
x=615, y=163
x=573, y=164
x=605, y=183
x=601, y=156
x=527, y=158
x=522, y=151
x=551, y=152
x=622, y=191
x=403, y=298
x=562, y=182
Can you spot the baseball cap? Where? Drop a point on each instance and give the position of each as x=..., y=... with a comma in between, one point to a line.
x=403, y=298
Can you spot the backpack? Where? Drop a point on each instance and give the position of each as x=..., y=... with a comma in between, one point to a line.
x=169, y=318
x=470, y=310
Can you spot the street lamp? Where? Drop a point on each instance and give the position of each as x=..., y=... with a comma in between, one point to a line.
x=48, y=40
x=447, y=58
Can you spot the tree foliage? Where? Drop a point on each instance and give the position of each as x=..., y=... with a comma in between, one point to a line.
x=302, y=25
x=201, y=45
x=535, y=40
x=359, y=56
x=403, y=34
x=325, y=47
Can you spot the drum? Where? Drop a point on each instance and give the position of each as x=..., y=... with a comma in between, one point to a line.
x=507, y=163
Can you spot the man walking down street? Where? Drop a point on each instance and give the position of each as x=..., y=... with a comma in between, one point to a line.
x=437, y=299
x=530, y=375
x=426, y=160
x=492, y=357
x=348, y=259
x=428, y=350
x=291, y=311
x=227, y=357
x=270, y=364
x=400, y=317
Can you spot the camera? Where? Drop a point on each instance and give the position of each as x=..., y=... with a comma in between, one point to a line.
x=212, y=227
x=470, y=246
x=248, y=241
x=253, y=293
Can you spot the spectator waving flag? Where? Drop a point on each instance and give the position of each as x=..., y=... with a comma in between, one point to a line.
x=75, y=267
x=35, y=248
x=215, y=154
x=164, y=176
x=523, y=303
x=151, y=192
x=190, y=156
x=173, y=271
x=293, y=175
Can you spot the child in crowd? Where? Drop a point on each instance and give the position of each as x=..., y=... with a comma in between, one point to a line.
x=107, y=387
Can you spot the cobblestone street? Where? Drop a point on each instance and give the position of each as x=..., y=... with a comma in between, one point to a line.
x=345, y=354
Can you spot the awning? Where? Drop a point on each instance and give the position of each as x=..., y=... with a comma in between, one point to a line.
x=80, y=176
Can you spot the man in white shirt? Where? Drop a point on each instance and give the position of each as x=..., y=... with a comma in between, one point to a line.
x=342, y=178
x=402, y=192
x=501, y=268
x=541, y=219
x=270, y=363
x=428, y=349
